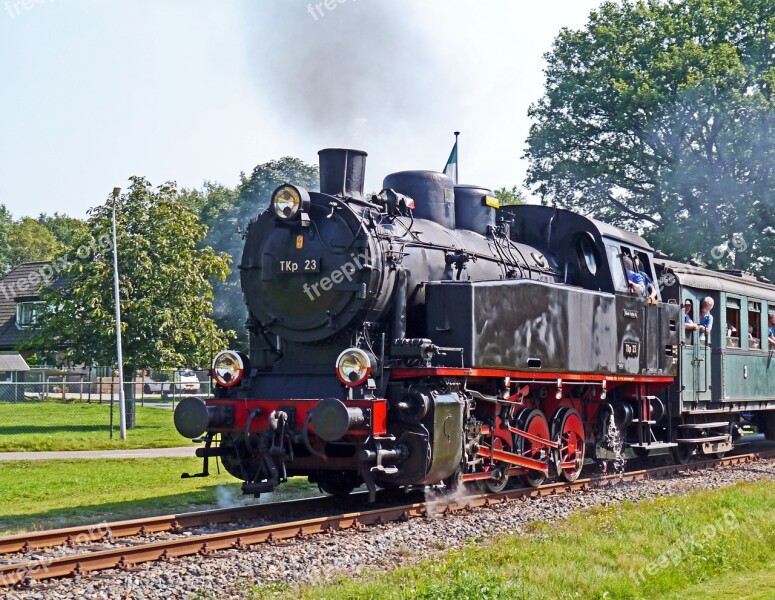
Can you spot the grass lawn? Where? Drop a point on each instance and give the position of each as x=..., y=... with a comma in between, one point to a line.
x=633, y=551
x=39, y=426
x=46, y=494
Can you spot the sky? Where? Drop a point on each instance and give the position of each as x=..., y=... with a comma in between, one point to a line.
x=94, y=92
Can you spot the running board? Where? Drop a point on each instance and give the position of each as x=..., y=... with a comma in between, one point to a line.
x=702, y=440
x=654, y=446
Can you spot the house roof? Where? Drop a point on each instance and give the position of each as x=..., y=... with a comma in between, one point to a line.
x=24, y=282
x=13, y=362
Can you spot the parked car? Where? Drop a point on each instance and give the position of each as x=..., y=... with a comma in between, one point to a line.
x=183, y=380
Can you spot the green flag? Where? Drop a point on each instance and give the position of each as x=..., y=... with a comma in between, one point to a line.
x=450, y=168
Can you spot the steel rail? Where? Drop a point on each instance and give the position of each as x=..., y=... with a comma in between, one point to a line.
x=127, y=557
x=38, y=540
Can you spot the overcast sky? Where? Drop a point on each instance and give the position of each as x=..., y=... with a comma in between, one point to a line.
x=194, y=90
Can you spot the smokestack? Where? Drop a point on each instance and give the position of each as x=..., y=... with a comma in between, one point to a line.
x=342, y=172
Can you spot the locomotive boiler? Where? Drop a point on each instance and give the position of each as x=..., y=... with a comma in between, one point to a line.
x=424, y=335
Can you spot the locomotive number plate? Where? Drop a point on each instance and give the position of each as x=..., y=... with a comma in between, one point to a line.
x=303, y=265
x=631, y=349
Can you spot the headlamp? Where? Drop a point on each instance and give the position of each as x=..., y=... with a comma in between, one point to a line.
x=228, y=368
x=354, y=366
x=288, y=201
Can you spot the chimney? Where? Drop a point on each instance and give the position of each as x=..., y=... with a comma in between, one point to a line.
x=342, y=172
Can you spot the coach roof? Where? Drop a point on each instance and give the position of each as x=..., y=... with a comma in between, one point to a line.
x=720, y=281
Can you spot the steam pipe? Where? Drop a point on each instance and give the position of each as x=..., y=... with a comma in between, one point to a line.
x=399, y=314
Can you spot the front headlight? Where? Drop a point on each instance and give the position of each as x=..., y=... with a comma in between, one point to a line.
x=288, y=201
x=354, y=366
x=228, y=368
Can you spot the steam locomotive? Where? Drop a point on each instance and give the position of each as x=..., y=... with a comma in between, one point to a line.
x=425, y=335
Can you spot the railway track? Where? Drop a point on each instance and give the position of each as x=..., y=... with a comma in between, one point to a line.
x=25, y=573
x=39, y=540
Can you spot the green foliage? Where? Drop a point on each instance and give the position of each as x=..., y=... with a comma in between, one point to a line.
x=32, y=240
x=65, y=229
x=659, y=115
x=6, y=221
x=227, y=212
x=29, y=241
x=510, y=196
x=166, y=296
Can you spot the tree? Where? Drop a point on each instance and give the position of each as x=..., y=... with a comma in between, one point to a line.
x=29, y=241
x=510, y=197
x=659, y=116
x=6, y=221
x=227, y=212
x=64, y=228
x=166, y=295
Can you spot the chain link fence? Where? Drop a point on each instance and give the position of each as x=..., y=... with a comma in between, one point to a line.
x=47, y=408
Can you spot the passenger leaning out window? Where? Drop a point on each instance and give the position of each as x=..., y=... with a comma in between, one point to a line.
x=706, y=319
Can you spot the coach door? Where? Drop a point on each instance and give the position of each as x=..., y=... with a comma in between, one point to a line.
x=696, y=363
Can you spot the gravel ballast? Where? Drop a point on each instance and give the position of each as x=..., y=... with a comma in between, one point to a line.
x=349, y=552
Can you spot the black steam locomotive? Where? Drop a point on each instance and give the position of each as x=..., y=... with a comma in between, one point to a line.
x=425, y=335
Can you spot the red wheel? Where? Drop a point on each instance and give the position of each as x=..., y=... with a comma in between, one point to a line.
x=500, y=472
x=534, y=422
x=569, y=430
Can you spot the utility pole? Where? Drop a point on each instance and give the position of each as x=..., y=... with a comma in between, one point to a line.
x=121, y=403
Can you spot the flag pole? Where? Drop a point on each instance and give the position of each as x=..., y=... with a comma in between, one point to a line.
x=457, y=169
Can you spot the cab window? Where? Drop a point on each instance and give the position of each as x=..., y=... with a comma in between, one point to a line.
x=617, y=268
x=587, y=254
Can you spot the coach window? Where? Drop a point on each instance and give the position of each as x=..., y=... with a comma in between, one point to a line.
x=692, y=329
x=733, y=322
x=754, y=325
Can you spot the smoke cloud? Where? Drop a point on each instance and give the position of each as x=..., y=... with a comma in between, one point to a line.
x=350, y=68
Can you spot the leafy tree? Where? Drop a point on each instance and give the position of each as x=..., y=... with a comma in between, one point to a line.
x=166, y=295
x=510, y=196
x=29, y=241
x=64, y=228
x=659, y=115
x=6, y=221
x=227, y=212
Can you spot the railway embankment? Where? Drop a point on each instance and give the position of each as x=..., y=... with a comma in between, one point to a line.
x=653, y=538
